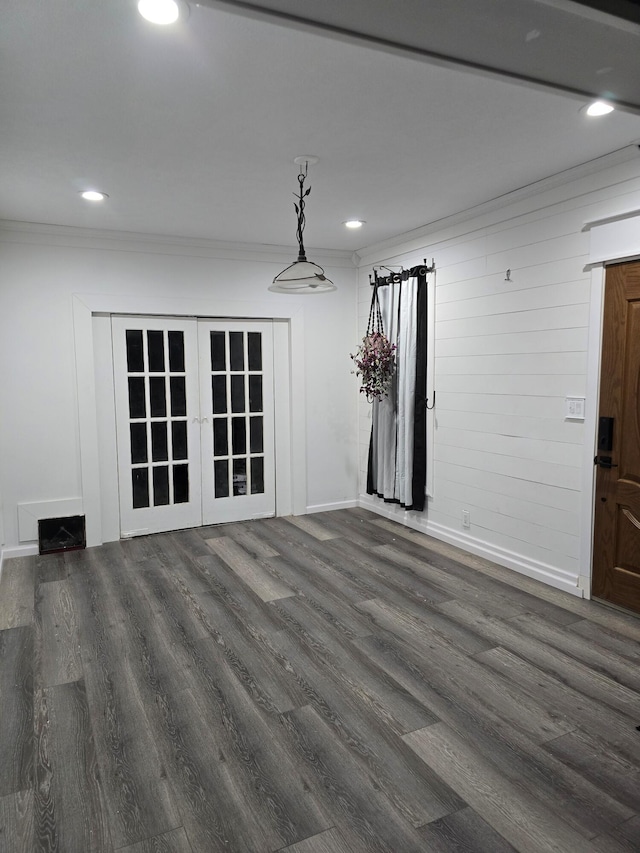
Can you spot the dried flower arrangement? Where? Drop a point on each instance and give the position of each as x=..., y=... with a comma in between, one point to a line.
x=374, y=359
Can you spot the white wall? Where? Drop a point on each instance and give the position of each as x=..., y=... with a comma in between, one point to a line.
x=41, y=269
x=507, y=353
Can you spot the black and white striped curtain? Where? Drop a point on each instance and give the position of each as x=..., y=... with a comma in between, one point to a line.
x=398, y=449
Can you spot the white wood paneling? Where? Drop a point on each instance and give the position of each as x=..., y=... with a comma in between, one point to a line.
x=531, y=299
x=503, y=542
x=542, y=275
x=538, y=385
x=510, y=485
x=548, y=429
x=507, y=353
x=542, y=319
x=469, y=497
x=509, y=404
x=507, y=445
x=528, y=532
x=536, y=471
x=524, y=364
x=553, y=341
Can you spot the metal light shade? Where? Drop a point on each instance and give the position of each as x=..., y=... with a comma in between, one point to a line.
x=302, y=276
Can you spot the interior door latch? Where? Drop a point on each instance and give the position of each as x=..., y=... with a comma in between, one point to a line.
x=604, y=462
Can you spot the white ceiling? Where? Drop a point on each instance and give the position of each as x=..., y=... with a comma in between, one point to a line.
x=192, y=130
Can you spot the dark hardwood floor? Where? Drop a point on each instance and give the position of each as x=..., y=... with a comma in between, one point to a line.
x=332, y=683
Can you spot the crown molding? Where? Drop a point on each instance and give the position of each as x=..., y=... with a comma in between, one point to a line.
x=419, y=237
x=130, y=241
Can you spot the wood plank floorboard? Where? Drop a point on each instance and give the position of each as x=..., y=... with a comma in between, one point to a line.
x=249, y=569
x=16, y=709
x=175, y=841
x=609, y=618
x=16, y=822
x=578, y=710
x=358, y=530
x=465, y=832
x=418, y=795
x=50, y=567
x=606, y=638
x=584, y=804
x=380, y=694
x=457, y=585
x=517, y=815
x=18, y=585
x=467, y=685
x=348, y=788
x=387, y=579
x=399, y=587
x=312, y=527
x=334, y=683
x=524, y=637
x=314, y=558
x=69, y=809
x=133, y=780
x=326, y=602
x=330, y=841
x=595, y=760
x=591, y=655
x=56, y=631
x=625, y=838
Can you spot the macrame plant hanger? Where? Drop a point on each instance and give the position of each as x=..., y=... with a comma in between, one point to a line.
x=375, y=323
x=374, y=358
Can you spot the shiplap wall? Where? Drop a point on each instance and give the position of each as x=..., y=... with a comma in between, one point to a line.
x=507, y=353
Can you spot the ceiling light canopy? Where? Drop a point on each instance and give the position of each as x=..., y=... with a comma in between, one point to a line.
x=599, y=108
x=302, y=276
x=93, y=195
x=353, y=223
x=159, y=11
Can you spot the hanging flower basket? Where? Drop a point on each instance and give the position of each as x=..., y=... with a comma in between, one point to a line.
x=375, y=362
x=374, y=359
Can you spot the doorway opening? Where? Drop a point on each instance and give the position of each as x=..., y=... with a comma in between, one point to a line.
x=616, y=532
x=194, y=409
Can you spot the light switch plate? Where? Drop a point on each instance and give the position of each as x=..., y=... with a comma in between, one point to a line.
x=574, y=408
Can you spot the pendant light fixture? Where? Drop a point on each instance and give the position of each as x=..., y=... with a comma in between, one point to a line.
x=302, y=276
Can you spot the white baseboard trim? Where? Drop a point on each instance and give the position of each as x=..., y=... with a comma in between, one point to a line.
x=543, y=572
x=329, y=507
x=19, y=551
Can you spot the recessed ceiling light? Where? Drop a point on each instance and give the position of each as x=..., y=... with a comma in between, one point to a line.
x=599, y=108
x=159, y=11
x=354, y=223
x=93, y=195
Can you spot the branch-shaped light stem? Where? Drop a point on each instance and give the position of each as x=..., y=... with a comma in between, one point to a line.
x=299, y=206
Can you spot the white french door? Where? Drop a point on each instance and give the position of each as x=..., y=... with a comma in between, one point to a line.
x=236, y=400
x=194, y=422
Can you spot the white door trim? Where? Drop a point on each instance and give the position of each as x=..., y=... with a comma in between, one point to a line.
x=291, y=482
x=612, y=240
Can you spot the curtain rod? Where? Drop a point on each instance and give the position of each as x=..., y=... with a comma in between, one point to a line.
x=403, y=275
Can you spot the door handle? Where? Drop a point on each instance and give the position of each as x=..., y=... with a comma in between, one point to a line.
x=604, y=462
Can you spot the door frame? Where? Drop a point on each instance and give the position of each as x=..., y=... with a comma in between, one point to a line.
x=96, y=415
x=611, y=240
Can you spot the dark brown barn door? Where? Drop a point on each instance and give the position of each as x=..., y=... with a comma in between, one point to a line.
x=616, y=556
